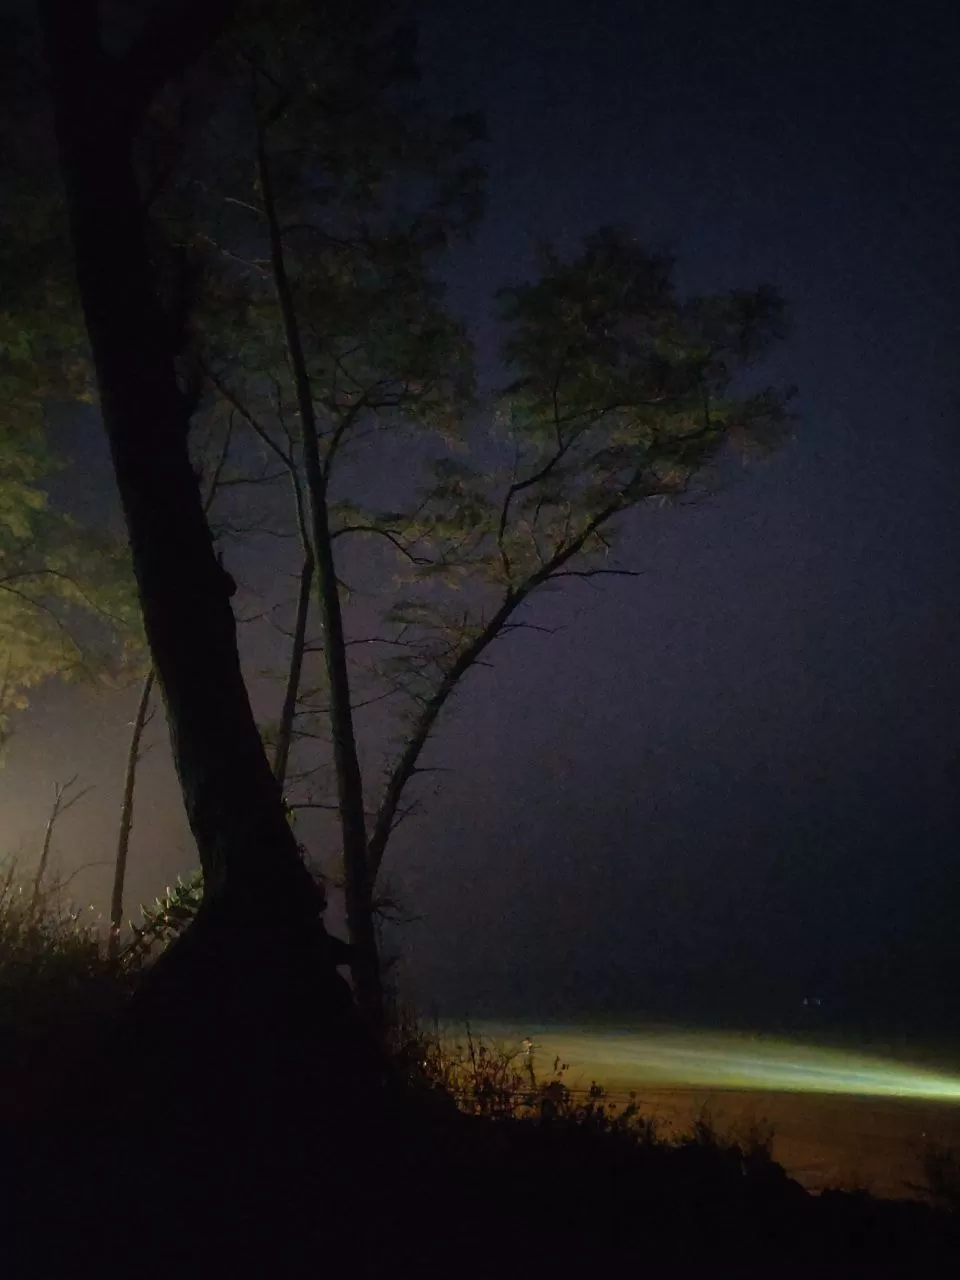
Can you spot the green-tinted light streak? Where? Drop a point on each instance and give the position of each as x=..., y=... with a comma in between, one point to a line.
x=713, y=1060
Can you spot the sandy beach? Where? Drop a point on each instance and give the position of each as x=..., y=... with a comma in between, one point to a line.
x=822, y=1140
x=840, y=1116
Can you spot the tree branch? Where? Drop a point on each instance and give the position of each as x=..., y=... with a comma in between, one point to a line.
x=255, y=426
x=341, y=429
x=470, y=656
x=217, y=474
x=518, y=486
x=599, y=573
x=391, y=537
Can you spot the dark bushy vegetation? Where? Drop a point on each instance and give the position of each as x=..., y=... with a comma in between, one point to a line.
x=55, y=979
x=941, y=1167
x=459, y=1157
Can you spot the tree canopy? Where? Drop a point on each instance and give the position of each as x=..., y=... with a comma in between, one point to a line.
x=67, y=606
x=296, y=199
x=325, y=335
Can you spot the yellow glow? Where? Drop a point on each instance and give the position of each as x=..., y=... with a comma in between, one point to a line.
x=655, y=1058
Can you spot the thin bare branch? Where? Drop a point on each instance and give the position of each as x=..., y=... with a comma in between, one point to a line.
x=255, y=426
x=239, y=482
x=472, y=655
x=216, y=475
x=252, y=264
x=508, y=627
x=391, y=537
x=599, y=573
x=57, y=621
x=336, y=439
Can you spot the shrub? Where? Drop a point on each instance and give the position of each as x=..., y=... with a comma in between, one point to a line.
x=162, y=921
x=501, y=1082
x=55, y=977
x=48, y=950
x=941, y=1168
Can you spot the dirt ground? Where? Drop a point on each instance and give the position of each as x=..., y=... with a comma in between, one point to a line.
x=823, y=1140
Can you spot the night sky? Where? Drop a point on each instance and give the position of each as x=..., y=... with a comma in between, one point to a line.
x=734, y=781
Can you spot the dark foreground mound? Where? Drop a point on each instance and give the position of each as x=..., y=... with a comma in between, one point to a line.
x=218, y=1135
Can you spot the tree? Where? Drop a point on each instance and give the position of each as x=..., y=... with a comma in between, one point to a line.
x=325, y=332
x=234, y=806
x=59, y=807
x=321, y=328
x=624, y=392
x=336, y=327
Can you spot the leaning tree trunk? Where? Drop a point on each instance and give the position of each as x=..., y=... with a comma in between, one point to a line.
x=260, y=922
x=232, y=799
x=242, y=1034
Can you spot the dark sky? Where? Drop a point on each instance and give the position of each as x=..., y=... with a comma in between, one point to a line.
x=734, y=781
x=737, y=777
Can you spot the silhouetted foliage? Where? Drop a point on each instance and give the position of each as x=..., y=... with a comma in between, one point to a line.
x=67, y=602
x=623, y=394
x=941, y=1167
x=493, y=1162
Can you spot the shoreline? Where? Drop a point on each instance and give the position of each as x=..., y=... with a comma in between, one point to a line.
x=842, y=1114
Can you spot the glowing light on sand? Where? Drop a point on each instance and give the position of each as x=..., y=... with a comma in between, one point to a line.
x=625, y=1059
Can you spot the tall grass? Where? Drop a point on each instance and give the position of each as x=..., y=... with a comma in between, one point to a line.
x=56, y=982
x=49, y=949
